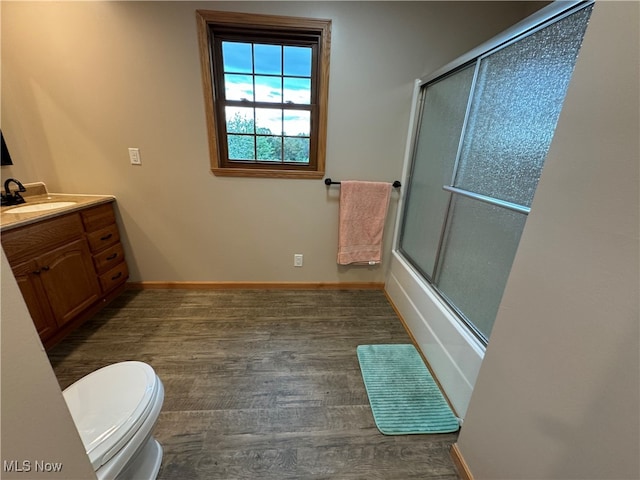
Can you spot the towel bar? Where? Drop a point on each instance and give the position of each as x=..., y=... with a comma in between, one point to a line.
x=328, y=181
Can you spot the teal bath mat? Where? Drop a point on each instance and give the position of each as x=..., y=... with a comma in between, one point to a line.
x=404, y=397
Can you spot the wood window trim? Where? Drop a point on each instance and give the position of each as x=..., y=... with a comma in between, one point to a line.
x=273, y=24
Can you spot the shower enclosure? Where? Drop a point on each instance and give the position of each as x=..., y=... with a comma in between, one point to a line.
x=484, y=131
x=482, y=127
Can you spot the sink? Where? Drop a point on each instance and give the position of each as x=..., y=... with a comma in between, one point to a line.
x=39, y=207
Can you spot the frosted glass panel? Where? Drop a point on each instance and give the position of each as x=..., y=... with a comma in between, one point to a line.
x=479, y=249
x=516, y=105
x=445, y=103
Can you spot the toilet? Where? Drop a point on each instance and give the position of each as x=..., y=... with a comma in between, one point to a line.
x=115, y=409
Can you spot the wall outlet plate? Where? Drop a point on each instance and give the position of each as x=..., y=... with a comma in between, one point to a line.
x=134, y=156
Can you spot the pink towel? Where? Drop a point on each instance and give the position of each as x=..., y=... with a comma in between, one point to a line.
x=363, y=210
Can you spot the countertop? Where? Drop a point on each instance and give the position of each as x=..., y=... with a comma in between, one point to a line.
x=9, y=221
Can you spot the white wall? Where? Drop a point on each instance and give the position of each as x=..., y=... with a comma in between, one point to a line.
x=99, y=77
x=36, y=424
x=558, y=394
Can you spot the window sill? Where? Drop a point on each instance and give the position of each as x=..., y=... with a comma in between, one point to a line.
x=265, y=173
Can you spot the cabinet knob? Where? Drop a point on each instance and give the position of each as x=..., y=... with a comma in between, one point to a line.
x=106, y=237
x=45, y=268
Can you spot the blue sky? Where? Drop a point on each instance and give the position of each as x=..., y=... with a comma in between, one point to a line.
x=262, y=77
x=237, y=58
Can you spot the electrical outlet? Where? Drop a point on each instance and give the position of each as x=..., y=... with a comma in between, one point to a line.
x=297, y=260
x=134, y=156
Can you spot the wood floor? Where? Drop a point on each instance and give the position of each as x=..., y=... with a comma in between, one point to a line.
x=259, y=384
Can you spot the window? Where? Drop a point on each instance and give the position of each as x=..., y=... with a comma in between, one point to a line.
x=266, y=88
x=484, y=129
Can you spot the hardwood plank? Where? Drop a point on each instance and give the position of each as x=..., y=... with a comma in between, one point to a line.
x=259, y=383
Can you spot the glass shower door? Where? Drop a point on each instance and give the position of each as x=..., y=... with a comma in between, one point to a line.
x=484, y=134
x=444, y=106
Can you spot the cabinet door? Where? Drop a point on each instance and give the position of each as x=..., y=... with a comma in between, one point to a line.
x=69, y=280
x=28, y=279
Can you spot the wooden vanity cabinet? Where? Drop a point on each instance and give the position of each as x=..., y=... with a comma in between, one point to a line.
x=59, y=265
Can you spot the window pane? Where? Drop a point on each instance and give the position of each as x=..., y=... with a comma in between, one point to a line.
x=237, y=57
x=297, y=122
x=241, y=147
x=516, y=105
x=297, y=90
x=238, y=87
x=239, y=120
x=269, y=121
x=268, y=89
x=297, y=61
x=269, y=148
x=268, y=59
x=296, y=149
x=479, y=249
x=445, y=103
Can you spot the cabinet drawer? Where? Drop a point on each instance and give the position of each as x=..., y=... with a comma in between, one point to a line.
x=42, y=236
x=98, y=217
x=114, y=277
x=108, y=258
x=103, y=238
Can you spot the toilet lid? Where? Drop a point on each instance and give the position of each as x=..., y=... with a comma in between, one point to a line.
x=109, y=404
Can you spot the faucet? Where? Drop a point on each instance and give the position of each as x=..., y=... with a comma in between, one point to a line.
x=12, y=199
